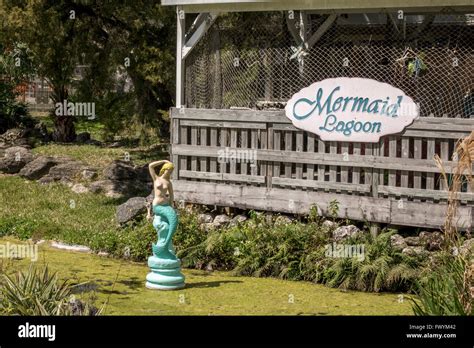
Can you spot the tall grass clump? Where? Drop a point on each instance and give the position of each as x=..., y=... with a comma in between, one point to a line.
x=449, y=289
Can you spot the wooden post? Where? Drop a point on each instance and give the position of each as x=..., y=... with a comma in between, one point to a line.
x=180, y=33
x=377, y=149
x=174, y=141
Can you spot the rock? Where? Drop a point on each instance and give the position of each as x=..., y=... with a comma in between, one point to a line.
x=67, y=182
x=120, y=170
x=14, y=159
x=47, y=179
x=63, y=246
x=425, y=236
x=37, y=168
x=93, y=142
x=150, y=197
x=89, y=174
x=414, y=251
x=3, y=147
x=143, y=173
x=103, y=253
x=283, y=220
x=130, y=209
x=209, y=226
x=329, y=224
x=344, y=232
x=79, y=308
x=222, y=219
x=19, y=151
x=116, y=189
x=467, y=247
x=433, y=241
x=15, y=136
x=79, y=188
x=413, y=241
x=105, y=186
x=69, y=169
x=398, y=242
x=41, y=132
x=205, y=218
x=83, y=137
x=238, y=219
x=114, y=145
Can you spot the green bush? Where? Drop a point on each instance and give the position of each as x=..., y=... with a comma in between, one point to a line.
x=13, y=113
x=297, y=251
x=382, y=269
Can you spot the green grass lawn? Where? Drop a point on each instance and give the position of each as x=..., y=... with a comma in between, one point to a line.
x=31, y=210
x=122, y=284
x=95, y=155
x=52, y=211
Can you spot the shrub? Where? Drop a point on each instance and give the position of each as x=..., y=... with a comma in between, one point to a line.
x=38, y=292
x=382, y=268
x=297, y=251
x=12, y=113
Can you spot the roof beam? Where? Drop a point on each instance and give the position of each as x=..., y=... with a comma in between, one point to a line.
x=322, y=6
x=199, y=27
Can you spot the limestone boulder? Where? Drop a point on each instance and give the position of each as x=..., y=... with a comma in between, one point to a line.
x=14, y=159
x=38, y=167
x=344, y=232
x=131, y=209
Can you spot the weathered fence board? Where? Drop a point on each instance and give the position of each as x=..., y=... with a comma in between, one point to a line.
x=393, y=181
x=355, y=207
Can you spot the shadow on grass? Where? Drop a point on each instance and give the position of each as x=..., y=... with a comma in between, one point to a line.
x=214, y=284
x=134, y=283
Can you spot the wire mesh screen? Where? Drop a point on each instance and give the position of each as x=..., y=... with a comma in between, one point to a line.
x=252, y=60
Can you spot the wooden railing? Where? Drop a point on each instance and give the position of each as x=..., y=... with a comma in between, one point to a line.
x=394, y=181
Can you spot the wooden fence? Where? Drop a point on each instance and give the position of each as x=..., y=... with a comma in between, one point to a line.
x=257, y=160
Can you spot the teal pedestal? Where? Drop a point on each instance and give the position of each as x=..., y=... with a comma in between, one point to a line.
x=165, y=274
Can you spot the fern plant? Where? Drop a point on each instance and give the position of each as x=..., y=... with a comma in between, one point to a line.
x=297, y=251
x=382, y=268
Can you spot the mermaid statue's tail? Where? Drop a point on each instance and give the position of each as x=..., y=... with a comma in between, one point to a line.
x=166, y=222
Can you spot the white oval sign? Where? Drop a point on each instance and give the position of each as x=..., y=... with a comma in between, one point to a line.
x=351, y=109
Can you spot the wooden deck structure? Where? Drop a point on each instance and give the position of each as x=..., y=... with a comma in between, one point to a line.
x=394, y=181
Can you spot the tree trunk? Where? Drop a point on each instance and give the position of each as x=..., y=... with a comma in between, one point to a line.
x=65, y=131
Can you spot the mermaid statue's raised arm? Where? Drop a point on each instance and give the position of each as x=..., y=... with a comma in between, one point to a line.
x=166, y=271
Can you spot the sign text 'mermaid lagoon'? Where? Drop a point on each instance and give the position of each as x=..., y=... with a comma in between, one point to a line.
x=355, y=109
x=359, y=104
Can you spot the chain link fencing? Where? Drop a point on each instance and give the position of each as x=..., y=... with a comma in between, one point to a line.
x=252, y=60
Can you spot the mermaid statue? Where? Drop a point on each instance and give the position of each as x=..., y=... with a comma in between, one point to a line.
x=165, y=266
